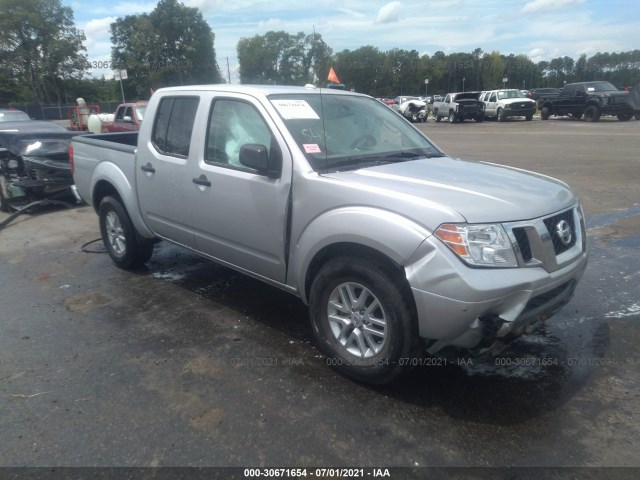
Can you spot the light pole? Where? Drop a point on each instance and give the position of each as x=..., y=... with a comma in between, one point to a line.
x=426, y=87
x=463, y=79
x=504, y=82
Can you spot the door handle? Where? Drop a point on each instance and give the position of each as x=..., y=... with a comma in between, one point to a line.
x=148, y=168
x=202, y=180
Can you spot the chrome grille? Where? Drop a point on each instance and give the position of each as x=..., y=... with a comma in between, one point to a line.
x=552, y=226
x=539, y=242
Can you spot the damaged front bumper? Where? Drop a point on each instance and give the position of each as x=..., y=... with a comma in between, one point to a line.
x=484, y=309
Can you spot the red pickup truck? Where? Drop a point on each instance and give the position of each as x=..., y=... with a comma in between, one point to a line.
x=128, y=118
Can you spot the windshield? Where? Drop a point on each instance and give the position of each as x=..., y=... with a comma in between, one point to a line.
x=338, y=132
x=600, y=87
x=510, y=94
x=140, y=109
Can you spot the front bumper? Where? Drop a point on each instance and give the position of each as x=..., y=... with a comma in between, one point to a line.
x=455, y=302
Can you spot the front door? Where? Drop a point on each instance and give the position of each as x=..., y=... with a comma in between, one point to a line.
x=239, y=214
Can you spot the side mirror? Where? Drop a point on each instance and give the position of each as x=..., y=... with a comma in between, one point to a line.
x=127, y=119
x=257, y=157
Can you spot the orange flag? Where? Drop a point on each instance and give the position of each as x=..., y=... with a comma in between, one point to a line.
x=333, y=78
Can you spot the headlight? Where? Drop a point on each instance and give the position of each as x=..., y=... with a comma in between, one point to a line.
x=484, y=245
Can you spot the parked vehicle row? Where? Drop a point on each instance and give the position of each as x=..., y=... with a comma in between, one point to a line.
x=588, y=100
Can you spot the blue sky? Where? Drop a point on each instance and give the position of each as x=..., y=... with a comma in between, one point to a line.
x=541, y=29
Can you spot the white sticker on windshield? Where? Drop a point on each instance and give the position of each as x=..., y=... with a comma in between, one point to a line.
x=311, y=148
x=295, y=110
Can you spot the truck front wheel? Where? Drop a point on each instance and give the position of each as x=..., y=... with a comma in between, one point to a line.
x=501, y=115
x=592, y=113
x=453, y=118
x=545, y=113
x=625, y=117
x=362, y=320
x=119, y=236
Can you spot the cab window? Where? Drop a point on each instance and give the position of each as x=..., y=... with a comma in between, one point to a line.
x=173, y=125
x=232, y=124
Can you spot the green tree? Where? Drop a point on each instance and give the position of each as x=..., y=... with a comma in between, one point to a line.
x=173, y=45
x=40, y=48
x=281, y=58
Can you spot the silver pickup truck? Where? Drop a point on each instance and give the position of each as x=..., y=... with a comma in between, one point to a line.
x=397, y=249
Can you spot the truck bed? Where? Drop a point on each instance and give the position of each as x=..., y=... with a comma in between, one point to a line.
x=105, y=148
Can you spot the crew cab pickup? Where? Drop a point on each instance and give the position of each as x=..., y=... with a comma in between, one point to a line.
x=591, y=100
x=502, y=104
x=333, y=197
x=458, y=107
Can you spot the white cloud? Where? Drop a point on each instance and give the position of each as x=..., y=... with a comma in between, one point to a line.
x=536, y=55
x=390, y=12
x=544, y=6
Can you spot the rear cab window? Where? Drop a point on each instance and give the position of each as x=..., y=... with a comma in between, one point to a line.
x=173, y=125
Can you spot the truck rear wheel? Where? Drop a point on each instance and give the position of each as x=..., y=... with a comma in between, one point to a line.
x=119, y=235
x=362, y=320
x=592, y=113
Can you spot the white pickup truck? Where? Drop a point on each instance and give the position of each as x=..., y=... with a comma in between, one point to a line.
x=397, y=249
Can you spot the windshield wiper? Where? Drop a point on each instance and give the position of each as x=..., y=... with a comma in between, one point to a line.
x=405, y=154
x=369, y=161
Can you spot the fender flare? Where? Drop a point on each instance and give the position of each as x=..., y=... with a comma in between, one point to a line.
x=110, y=174
x=392, y=235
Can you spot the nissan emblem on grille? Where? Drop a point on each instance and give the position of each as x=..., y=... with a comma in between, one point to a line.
x=563, y=231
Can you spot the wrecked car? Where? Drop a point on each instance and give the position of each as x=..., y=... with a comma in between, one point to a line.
x=34, y=162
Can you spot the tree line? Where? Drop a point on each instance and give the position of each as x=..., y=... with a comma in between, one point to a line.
x=43, y=59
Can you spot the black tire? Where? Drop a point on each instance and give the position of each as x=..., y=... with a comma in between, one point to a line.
x=367, y=280
x=545, y=113
x=625, y=117
x=592, y=113
x=637, y=116
x=501, y=117
x=528, y=118
x=480, y=118
x=119, y=235
x=453, y=118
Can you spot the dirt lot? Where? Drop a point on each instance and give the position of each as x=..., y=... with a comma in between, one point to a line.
x=187, y=363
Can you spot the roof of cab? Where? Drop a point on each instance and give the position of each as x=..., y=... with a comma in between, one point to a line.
x=265, y=90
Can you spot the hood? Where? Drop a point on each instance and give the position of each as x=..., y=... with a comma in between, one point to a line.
x=510, y=101
x=480, y=192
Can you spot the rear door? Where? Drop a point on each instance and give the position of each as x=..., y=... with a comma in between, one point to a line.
x=239, y=214
x=163, y=176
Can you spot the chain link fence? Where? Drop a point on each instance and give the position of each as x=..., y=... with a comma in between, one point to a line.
x=54, y=112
